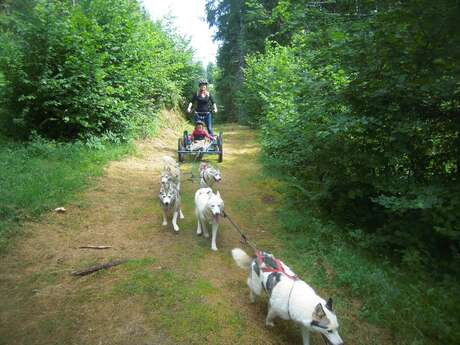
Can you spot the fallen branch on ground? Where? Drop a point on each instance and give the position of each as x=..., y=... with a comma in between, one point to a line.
x=99, y=267
x=95, y=247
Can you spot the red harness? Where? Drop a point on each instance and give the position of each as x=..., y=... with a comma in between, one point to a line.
x=269, y=263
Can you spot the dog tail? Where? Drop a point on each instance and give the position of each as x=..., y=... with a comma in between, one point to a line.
x=242, y=259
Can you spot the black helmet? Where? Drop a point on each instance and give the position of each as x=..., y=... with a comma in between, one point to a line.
x=202, y=82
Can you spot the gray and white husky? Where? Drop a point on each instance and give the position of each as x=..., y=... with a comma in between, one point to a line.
x=209, y=208
x=170, y=171
x=290, y=298
x=209, y=175
x=170, y=203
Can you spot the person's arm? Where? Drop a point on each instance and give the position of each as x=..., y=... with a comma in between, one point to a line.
x=189, y=108
x=214, y=105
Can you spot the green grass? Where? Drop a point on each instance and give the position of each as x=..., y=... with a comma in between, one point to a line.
x=416, y=308
x=42, y=175
x=180, y=305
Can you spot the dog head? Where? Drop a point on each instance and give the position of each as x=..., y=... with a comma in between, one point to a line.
x=325, y=322
x=208, y=172
x=167, y=194
x=203, y=166
x=215, y=174
x=215, y=206
x=165, y=179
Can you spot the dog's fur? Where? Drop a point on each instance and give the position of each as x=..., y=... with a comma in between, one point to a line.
x=209, y=208
x=170, y=171
x=209, y=175
x=170, y=203
x=290, y=298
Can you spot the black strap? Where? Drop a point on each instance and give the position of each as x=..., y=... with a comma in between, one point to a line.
x=243, y=236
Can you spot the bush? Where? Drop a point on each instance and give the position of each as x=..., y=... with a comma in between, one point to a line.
x=374, y=144
x=88, y=69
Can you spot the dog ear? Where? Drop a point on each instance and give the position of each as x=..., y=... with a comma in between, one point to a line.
x=218, y=194
x=318, y=313
x=329, y=304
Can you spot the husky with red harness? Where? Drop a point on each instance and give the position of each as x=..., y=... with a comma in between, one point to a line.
x=290, y=298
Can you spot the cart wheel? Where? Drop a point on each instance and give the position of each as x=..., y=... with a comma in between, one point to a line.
x=185, y=138
x=220, y=145
x=180, y=156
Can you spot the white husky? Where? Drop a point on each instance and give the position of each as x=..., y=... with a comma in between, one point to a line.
x=209, y=175
x=208, y=209
x=170, y=171
x=170, y=203
x=289, y=297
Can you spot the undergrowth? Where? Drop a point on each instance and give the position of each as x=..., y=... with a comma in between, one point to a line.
x=416, y=307
x=41, y=175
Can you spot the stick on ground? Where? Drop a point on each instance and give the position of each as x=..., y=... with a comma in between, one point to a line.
x=95, y=247
x=99, y=267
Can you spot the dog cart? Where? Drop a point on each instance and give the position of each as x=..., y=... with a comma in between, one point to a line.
x=185, y=146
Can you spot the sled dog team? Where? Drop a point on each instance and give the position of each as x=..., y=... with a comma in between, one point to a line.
x=289, y=297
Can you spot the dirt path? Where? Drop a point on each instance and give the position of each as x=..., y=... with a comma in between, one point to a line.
x=174, y=289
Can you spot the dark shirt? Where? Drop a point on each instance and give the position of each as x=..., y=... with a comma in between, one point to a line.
x=202, y=103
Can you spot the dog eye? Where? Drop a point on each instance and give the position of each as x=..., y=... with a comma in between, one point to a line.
x=330, y=331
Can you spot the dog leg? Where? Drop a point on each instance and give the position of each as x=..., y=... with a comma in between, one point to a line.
x=174, y=221
x=270, y=316
x=165, y=220
x=305, y=335
x=181, y=214
x=215, y=227
x=204, y=226
x=255, y=288
x=198, y=228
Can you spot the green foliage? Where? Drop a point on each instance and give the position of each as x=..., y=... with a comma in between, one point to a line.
x=87, y=69
x=43, y=175
x=360, y=110
x=417, y=308
x=375, y=144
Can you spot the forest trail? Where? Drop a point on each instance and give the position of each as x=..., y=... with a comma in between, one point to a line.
x=174, y=289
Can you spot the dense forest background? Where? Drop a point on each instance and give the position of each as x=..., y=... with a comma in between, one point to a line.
x=358, y=103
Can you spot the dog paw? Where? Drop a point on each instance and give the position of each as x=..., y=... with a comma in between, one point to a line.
x=269, y=324
x=214, y=249
x=176, y=228
x=164, y=223
x=206, y=235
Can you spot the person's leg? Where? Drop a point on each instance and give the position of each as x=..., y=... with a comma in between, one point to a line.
x=208, y=121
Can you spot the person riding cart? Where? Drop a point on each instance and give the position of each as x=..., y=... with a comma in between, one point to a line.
x=199, y=133
x=203, y=101
x=200, y=140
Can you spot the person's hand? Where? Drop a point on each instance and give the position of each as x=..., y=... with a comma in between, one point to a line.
x=189, y=110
